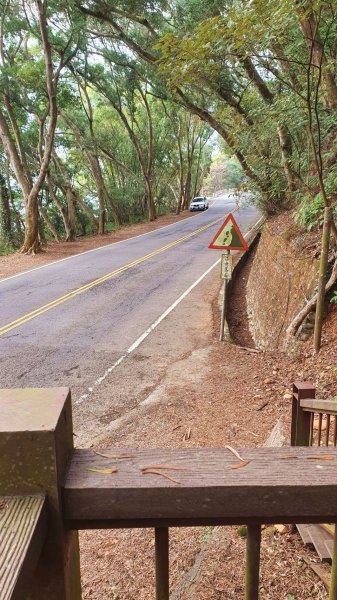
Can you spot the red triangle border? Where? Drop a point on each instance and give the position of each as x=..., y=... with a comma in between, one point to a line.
x=242, y=248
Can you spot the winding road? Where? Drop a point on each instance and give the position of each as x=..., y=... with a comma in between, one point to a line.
x=72, y=322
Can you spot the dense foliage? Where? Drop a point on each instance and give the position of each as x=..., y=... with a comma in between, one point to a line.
x=106, y=108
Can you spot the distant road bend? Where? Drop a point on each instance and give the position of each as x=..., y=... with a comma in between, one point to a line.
x=70, y=322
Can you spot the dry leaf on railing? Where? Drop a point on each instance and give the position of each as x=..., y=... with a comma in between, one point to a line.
x=165, y=467
x=288, y=457
x=240, y=465
x=322, y=457
x=114, y=455
x=104, y=471
x=233, y=451
x=152, y=472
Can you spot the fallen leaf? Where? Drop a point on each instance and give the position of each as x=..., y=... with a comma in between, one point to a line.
x=323, y=457
x=114, y=455
x=169, y=467
x=104, y=471
x=233, y=451
x=240, y=465
x=162, y=474
x=288, y=457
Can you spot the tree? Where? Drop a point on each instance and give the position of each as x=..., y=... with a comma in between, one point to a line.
x=29, y=51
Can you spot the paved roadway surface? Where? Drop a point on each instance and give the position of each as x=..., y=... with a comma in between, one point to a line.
x=67, y=323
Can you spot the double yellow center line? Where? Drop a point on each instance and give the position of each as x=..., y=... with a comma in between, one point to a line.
x=39, y=311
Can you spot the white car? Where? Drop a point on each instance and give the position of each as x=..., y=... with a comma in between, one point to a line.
x=199, y=203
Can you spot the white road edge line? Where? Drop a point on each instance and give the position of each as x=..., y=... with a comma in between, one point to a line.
x=152, y=327
x=54, y=262
x=145, y=334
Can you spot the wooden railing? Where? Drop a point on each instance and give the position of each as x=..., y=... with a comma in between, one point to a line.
x=314, y=422
x=59, y=490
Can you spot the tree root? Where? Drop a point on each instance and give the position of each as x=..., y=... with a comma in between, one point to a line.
x=32, y=249
x=311, y=304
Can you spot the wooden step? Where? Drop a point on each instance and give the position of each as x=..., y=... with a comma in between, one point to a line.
x=321, y=539
x=303, y=530
x=318, y=538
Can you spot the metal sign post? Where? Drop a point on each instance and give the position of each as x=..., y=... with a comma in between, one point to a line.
x=229, y=237
x=226, y=274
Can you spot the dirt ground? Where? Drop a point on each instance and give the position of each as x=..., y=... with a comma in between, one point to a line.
x=236, y=400
x=16, y=263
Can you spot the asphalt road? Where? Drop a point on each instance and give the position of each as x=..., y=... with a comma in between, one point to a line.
x=71, y=323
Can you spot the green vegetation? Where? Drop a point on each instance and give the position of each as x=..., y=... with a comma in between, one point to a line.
x=107, y=109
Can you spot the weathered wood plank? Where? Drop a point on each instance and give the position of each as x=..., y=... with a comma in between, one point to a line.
x=320, y=539
x=325, y=406
x=303, y=530
x=271, y=488
x=23, y=530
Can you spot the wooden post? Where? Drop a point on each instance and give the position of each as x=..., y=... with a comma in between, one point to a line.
x=323, y=267
x=162, y=563
x=333, y=579
x=36, y=440
x=301, y=420
x=252, y=572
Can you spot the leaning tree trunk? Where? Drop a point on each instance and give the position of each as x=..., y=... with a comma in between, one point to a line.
x=286, y=151
x=89, y=212
x=63, y=213
x=49, y=224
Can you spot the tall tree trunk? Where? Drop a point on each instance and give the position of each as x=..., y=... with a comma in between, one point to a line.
x=187, y=191
x=323, y=270
x=89, y=212
x=97, y=175
x=150, y=201
x=31, y=244
x=49, y=224
x=309, y=26
x=286, y=150
x=5, y=213
x=69, y=234
x=71, y=213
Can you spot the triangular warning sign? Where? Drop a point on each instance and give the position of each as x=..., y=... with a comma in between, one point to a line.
x=229, y=237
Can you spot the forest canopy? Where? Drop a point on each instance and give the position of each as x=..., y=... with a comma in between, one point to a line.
x=107, y=109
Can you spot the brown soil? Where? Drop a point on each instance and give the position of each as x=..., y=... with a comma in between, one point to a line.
x=16, y=263
x=306, y=242
x=238, y=403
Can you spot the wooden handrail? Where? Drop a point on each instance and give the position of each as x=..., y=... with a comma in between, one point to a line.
x=327, y=407
x=23, y=531
x=281, y=484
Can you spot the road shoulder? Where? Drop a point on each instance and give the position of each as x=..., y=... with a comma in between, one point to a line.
x=54, y=251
